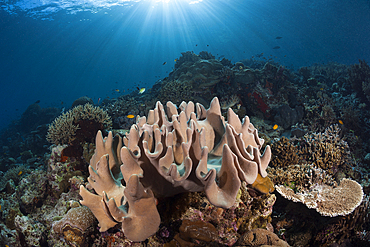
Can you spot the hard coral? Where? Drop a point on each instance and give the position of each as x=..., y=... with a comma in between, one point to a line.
x=260, y=237
x=165, y=155
x=359, y=76
x=73, y=124
x=326, y=150
x=74, y=225
x=175, y=90
x=328, y=200
x=284, y=153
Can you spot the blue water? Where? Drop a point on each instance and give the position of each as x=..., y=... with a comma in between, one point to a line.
x=57, y=52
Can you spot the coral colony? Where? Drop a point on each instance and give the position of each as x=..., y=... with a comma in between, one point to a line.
x=195, y=171
x=187, y=154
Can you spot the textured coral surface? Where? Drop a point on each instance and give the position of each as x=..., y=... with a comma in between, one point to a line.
x=188, y=149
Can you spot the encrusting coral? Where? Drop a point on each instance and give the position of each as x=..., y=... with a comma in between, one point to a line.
x=260, y=237
x=74, y=225
x=164, y=155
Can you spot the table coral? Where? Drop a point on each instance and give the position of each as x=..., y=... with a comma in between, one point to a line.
x=328, y=200
x=164, y=155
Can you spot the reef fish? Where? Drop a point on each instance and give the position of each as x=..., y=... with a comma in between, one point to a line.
x=278, y=37
x=142, y=90
x=130, y=116
x=276, y=47
x=275, y=126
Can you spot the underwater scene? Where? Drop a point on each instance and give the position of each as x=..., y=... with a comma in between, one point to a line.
x=184, y=123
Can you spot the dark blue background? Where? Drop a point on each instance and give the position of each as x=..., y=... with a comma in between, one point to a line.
x=65, y=56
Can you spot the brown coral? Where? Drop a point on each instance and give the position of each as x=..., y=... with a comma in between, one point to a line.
x=74, y=225
x=165, y=155
x=326, y=150
x=284, y=153
x=64, y=128
x=260, y=237
x=328, y=200
x=176, y=90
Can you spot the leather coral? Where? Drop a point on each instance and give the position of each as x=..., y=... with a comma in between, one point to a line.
x=188, y=149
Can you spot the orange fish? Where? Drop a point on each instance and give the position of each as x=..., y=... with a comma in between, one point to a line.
x=275, y=126
x=20, y=173
x=130, y=116
x=340, y=121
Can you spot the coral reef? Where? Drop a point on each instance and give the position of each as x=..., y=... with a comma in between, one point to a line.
x=260, y=237
x=284, y=153
x=74, y=225
x=78, y=123
x=170, y=154
x=326, y=150
x=328, y=200
x=14, y=174
x=59, y=170
x=31, y=233
x=316, y=120
x=342, y=228
x=176, y=91
x=246, y=214
x=32, y=190
x=82, y=101
x=359, y=75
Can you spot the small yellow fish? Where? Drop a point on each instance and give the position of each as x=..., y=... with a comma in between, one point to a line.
x=240, y=67
x=340, y=121
x=130, y=116
x=275, y=126
x=176, y=60
x=20, y=173
x=142, y=90
x=117, y=90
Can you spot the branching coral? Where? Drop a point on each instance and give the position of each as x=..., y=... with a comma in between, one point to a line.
x=326, y=150
x=310, y=181
x=175, y=90
x=64, y=128
x=165, y=155
x=284, y=153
